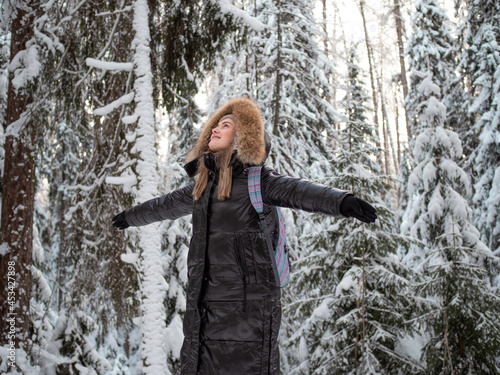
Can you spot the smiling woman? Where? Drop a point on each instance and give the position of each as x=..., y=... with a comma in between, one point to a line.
x=233, y=306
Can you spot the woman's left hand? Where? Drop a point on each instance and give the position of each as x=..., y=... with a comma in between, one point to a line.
x=358, y=208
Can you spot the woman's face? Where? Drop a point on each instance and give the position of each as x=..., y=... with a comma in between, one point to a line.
x=223, y=134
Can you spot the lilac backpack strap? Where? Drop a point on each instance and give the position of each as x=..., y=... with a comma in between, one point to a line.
x=279, y=256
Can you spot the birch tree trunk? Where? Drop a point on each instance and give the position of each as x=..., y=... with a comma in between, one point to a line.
x=18, y=195
x=153, y=285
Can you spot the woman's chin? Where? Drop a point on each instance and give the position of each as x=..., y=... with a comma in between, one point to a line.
x=214, y=147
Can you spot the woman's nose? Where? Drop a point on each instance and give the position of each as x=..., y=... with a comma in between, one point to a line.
x=215, y=130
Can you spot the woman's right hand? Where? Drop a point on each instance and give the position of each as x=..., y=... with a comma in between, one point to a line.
x=120, y=222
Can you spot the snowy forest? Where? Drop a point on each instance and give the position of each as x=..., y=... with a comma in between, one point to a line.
x=398, y=102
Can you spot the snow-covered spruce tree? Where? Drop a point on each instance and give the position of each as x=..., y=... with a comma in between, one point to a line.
x=473, y=108
x=487, y=188
x=57, y=168
x=430, y=53
x=431, y=68
x=24, y=109
x=429, y=50
x=472, y=90
x=352, y=288
x=33, y=69
x=460, y=313
x=484, y=160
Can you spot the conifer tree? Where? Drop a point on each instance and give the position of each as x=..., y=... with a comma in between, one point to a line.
x=352, y=288
x=55, y=167
x=188, y=30
x=459, y=316
x=472, y=108
x=431, y=70
x=485, y=158
x=455, y=265
x=430, y=58
x=472, y=94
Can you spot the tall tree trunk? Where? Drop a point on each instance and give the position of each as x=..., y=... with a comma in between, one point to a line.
x=401, y=47
x=372, y=75
x=385, y=125
x=153, y=285
x=277, y=97
x=325, y=30
x=393, y=153
x=61, y=275
x=18, y=197
x=388, y=145
x=398, y=142
x=327, y=53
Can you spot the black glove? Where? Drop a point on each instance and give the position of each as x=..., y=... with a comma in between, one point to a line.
x=358, y=208
x=120, y=222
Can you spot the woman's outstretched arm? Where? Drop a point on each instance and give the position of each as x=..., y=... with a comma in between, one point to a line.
x=297, y=193
x=170, y=206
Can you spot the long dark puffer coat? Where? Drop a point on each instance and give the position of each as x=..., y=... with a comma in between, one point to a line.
x=233, y=307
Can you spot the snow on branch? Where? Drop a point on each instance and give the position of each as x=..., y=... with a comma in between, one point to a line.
x=125, y=99
x=126, y=180
x=124, y=10
x=15, y=128
x=427, y=86
x=9, y=10
x=109, y=65
x=25, y=65
x=130, y=258
x=42, y=284
x=227, y=8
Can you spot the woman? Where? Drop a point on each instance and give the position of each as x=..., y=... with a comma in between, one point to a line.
x=233, y=307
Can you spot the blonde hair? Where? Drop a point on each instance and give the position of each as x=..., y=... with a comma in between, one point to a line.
x=222, y=160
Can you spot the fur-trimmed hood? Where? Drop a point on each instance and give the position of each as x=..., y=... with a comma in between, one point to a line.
x=250, y=143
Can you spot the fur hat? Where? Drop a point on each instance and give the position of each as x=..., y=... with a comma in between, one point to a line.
x=249, y=132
